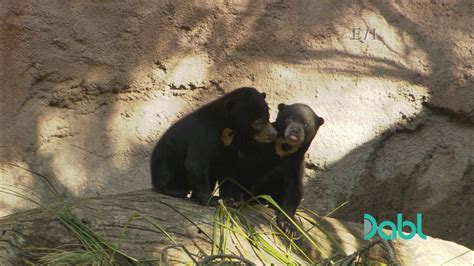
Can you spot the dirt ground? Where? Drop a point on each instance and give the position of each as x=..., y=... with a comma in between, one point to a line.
x=88, y=87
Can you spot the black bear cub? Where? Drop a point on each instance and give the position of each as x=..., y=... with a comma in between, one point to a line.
x=277, y=169
x=181, y=160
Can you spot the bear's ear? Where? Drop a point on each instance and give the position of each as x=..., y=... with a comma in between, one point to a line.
x=264, y=95
x=281, y=106
x=229, y=105
x=319, y=121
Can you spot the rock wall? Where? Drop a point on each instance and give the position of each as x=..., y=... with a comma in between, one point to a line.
x=88, y=87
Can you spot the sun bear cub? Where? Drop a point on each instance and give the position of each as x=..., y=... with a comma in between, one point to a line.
x=276, y=169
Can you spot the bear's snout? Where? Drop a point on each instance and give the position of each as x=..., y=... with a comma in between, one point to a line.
x=294, y=134
x=266, y=134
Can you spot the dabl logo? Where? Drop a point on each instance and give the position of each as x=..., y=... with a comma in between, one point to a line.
x=371, y=227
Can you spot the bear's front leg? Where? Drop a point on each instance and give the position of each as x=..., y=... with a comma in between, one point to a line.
x=197, y=166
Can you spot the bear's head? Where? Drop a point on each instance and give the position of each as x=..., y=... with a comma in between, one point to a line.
x=249, y=114
x=297, y=124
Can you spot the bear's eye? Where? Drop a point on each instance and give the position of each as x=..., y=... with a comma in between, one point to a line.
x=287, y=121
x=306, y=125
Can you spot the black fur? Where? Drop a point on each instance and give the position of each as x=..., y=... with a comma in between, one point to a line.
x=277, y=169
x=181, y=160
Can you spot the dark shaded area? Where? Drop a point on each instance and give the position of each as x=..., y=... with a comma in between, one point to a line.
x=446, y=216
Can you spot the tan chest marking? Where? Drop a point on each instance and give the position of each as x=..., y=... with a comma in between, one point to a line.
x=227, y=136
x=281, y=151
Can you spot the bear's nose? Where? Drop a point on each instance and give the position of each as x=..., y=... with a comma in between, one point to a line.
x=295, y=132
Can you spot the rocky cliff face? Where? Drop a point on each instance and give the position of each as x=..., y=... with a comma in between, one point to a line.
x=88, y=87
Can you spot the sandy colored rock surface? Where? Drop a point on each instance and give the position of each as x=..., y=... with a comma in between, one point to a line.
x=88, y=87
